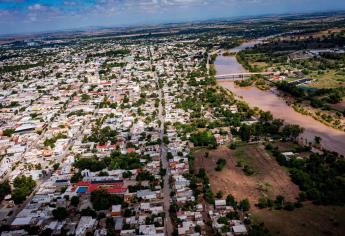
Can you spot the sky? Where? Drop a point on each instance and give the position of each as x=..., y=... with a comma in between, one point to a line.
x=26, y=16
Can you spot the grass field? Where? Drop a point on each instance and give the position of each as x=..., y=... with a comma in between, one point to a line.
x=269, y=179
x=329, y=79
x=310, y=220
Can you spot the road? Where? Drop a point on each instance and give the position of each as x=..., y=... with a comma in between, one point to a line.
x=165, y=164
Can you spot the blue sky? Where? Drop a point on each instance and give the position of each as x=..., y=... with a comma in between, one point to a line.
x=23, y=16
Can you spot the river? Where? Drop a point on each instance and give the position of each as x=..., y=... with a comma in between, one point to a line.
x=332, y=139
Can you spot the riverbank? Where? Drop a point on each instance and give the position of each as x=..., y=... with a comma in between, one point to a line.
x=332, y=139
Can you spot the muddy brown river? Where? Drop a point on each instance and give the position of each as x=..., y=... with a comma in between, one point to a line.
x=332, y=139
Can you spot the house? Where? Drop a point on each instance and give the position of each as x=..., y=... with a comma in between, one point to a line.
x=239, y=229
x=116, y=210
x=86, y=224
x=220, y=204
x=146, y=194
x=22, y=221
x=151, y=230
x=288, y=155
x=105, y=148
x=111, y=186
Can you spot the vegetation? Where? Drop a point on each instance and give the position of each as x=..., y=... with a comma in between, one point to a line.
x=320, y=177
x=8, y=132
x=5, y=189
x=102, y=200
x=60, y=213
x=111, y=53
x=244, y=205
x=75, y=201
x=220, y=164
x=102, y=136
x=204, y=139
x=51, y=142
x=23, y=187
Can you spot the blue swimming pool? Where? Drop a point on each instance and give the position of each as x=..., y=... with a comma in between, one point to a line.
x=82, y=189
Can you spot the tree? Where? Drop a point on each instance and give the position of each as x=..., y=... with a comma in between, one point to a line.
x=85, y=97
x=75, y=201
x=92, y=164
x=219, y=194
x=264, y=202
x=76, y=177
x=220, y=164
x=56, y=166
x=8, y=132
x=102, y=200
x=204, y=139
x=88, y=212
x=5, y=189
x=197, y=228
x=245, y=205
x=103, y=173
x=292, y=131
x=279, y=202
x=166, y=140
x=258, y=230
x=230, y=201
x=23, y=181
x=317, y=139
x=23, y=186
x=245, y=132
x=60, y=213
x=266, y=116
x=18, y=195
x=127, y=174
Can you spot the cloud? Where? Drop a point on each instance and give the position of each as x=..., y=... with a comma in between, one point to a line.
x=36, y=7
x=36, y=15
x=70, y=3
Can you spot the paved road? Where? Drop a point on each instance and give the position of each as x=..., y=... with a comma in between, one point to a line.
x=165, y=164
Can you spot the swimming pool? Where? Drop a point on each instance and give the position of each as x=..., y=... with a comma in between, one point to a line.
x=82, y=189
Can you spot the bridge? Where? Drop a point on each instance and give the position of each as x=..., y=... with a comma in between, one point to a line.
x=240, y=76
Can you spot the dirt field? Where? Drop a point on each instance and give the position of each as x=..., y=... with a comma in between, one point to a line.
x=309, y=220
x=269, y=178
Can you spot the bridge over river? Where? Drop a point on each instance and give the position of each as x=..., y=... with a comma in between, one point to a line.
x=228, y=70
x=240, y=76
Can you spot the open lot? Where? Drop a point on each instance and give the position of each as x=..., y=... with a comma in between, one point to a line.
x=269, y=179
x=310, y=220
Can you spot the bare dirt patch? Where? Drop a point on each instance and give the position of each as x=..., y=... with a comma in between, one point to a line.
x=269, y=179
x=310, y=220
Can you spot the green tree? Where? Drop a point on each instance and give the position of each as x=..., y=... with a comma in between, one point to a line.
x=245, y=205
x=23, y=186
x=102, y=200
x=75, y=201
x=279, y=202
x=5, y=189
x=204, y=139
x=166, y=140
x=85, y=97
x=8, y=132
x=317, y=139
x=245, y=132
x=219, y=194
x=56, y=166
x=60, y=213
x=231, y=201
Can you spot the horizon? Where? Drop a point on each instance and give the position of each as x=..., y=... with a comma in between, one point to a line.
x=20, y=17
